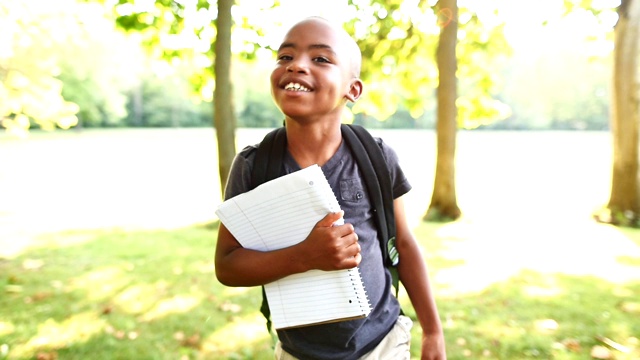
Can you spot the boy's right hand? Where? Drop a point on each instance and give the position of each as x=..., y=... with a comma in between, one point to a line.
x=330, y=246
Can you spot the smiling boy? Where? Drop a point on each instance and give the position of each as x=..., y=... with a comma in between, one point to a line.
x=316, y=74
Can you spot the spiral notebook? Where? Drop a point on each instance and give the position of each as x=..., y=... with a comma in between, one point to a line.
x=281, y=213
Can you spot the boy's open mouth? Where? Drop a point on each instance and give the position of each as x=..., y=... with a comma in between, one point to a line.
x=293, y=86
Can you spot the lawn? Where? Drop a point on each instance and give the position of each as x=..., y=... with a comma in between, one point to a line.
x=107, y=245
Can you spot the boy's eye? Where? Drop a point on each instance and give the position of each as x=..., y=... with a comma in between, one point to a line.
x=321, y=59
x=284, y=57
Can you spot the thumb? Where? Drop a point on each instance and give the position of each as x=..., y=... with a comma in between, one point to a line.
x=330, y=219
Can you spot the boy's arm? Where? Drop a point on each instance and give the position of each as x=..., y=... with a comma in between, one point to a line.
x=327, y=247
x=415, y=279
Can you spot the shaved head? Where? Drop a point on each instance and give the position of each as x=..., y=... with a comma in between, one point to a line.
x=350, y=46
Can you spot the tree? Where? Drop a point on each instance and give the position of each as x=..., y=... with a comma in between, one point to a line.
x=224, y=114
x=443, y=201
x=624, y=201
x=398, y=39
x=183, y=33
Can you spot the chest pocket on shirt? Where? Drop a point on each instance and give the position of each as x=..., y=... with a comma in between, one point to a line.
x=354, y=200
x=351, y=190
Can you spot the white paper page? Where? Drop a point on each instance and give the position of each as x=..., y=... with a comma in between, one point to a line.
x=317, y=296
x=281, y=213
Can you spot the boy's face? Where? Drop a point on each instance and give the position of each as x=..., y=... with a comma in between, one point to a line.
x=314, y=75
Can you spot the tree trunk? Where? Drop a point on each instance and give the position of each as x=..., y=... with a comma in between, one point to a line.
x=224, y=114
x=624, y=202
x=443, y=201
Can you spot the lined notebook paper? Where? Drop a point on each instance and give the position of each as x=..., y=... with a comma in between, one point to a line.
x=281, y=213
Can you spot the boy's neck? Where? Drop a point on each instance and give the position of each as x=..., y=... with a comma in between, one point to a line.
x=313, y=143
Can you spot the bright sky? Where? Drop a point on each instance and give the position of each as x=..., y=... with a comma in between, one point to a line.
x=541, y=25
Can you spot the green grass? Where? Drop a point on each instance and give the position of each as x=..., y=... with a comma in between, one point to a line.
x=153, y=295
x=125, y=295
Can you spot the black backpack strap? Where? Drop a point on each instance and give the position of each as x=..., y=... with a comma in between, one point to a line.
x=266, y=312
x=371, y=162
x=270, y=151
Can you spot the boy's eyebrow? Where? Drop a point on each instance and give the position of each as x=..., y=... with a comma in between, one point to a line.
x=312, y=46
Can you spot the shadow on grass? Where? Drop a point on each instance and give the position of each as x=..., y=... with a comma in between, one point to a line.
x=153, y=295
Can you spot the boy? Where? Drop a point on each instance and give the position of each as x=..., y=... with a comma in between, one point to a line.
x=316, y=74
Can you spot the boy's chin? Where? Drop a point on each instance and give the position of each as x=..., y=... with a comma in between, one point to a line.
x=295, y=113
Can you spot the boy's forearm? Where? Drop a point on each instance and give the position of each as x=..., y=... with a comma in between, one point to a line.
x=327, y=247
x=415, y=279
x=414, y=275
x=237, y=266
x=244, y=267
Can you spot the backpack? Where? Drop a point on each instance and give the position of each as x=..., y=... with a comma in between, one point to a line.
x=269, y=164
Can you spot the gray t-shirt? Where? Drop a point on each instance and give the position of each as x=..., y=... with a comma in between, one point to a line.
x=346, y=339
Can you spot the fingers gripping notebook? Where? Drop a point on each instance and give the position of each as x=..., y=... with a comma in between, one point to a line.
x=281, y=213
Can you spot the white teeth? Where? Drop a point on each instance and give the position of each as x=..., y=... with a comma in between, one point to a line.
x=296, y=87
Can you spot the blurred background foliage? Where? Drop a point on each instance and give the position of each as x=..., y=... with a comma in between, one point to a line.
x=69, y=63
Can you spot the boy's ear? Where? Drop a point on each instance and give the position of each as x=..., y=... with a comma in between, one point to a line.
x=355, y=90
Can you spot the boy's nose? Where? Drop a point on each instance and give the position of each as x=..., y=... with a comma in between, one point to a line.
x=299, y=66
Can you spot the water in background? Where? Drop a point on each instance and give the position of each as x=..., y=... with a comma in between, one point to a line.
x=169, y=177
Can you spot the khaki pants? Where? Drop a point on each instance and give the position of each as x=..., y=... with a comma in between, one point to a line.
x=394, y=346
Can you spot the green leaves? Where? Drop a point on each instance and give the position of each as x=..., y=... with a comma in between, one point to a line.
x=30, y=93
x=398, y=41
